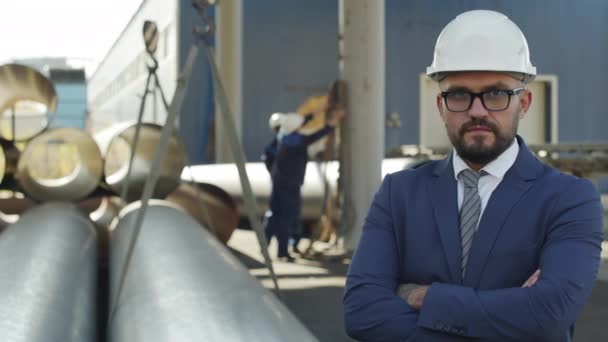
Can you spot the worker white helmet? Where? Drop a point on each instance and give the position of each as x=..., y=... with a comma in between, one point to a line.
x=291, y=122
x=274, y=121
x=482, y=40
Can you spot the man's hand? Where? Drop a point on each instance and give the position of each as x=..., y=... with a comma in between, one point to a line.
x=532, y=280
x=413, y=294
x=416, y=297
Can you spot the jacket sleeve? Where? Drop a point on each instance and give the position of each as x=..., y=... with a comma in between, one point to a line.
x=298, y=139
x=569, y=263
x=372, y=309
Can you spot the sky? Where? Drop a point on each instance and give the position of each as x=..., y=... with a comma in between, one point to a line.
x=82, y=29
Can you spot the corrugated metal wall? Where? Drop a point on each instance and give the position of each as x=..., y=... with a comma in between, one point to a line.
x=290, y=52
x=566, y=38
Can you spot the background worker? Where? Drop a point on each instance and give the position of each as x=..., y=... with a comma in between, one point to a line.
x=280, y=124
x=287, y=174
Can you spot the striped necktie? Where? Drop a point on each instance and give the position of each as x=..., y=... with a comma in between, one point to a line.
x=469, y=212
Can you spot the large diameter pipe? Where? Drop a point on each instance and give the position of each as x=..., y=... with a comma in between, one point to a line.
x=210, y=206
x=184, y=285
x=116, y=144
x=225, y=176
x=28, y=97
x=48, y=276
x=62, y=164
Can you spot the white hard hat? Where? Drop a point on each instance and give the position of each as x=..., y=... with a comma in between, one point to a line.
x=275, y=120
x=482, y=40
x=291, y=122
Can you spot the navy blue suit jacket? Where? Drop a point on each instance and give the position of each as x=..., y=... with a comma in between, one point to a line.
x=537, y=218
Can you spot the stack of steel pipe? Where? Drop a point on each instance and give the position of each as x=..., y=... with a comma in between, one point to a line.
x=184, y=285
x=117, y=143
x=48, y=276
x=27, y=100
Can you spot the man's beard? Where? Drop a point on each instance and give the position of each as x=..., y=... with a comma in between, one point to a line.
x=477, y=152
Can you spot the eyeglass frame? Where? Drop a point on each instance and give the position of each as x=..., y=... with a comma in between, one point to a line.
x=475, y=95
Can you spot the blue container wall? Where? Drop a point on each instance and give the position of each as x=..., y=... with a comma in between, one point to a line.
x=566, y=38
x=71, y=105
x=290, y=52
x=197, y=110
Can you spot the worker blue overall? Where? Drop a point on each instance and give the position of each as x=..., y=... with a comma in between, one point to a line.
x=287, y=175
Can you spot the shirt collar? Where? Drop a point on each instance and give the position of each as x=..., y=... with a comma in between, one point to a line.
x=497, y=167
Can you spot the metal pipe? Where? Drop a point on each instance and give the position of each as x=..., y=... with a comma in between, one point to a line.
x=115, y=144
x=183, y=285
x=225, y=177
x=29, y=96
x=62, y=164
x=48, y=276
x=210, y=206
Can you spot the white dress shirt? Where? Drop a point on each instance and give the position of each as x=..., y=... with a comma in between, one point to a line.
x=495, y=169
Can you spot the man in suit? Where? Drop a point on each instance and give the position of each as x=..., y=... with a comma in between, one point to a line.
x=489, y=244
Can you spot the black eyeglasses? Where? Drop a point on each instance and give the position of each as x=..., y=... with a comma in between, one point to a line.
x=493, y=100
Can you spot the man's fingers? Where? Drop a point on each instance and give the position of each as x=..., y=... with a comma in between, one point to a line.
x=532, y=280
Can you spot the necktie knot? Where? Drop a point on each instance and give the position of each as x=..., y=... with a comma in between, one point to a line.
x=471, y=177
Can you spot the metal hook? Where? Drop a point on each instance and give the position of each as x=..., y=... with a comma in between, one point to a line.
x=203, y=33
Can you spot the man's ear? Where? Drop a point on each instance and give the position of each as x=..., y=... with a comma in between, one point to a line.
x=525, y=101
x=439, y=101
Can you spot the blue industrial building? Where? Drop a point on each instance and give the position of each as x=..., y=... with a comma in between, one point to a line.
x=70, y=86
x=290, y=51
x=69, y=80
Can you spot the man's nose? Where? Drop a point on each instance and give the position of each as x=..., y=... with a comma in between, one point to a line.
x=477, y=109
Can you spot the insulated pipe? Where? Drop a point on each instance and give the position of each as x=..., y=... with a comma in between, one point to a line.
x=48, y=276
x=184, y=285
x=225, y=177
x=210, y=206
x=62, y=164
x=116, y=144
x=27, y=96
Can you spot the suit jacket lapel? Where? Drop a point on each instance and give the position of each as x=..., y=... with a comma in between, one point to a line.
x=443, y=194
x=514, y=185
